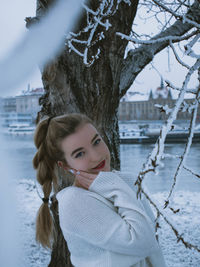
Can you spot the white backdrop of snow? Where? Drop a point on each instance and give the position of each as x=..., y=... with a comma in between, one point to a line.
x=176, y=255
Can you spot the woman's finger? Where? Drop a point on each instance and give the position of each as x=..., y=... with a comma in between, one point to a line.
x=85, y=179
x=87, y=175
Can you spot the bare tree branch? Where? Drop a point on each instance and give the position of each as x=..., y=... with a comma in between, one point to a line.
x=192, y=172
x=169, y=84
x=160, y=213
x=187, y=147
x=138, y=58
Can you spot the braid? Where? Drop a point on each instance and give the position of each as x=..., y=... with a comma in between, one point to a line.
x=45, y=175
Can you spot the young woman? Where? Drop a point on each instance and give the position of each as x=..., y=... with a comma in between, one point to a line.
x=103, y=222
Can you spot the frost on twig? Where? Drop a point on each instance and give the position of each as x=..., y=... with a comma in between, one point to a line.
x=157, y=154
x=186, y=150
x=161, y=214
x=164, y=108
x=156, y=40
x=97, y=24
x=192, y=172
x=169, y=84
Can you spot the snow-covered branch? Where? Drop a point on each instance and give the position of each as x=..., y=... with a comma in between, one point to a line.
x=189, y=46
x=139, y=57
x=164, y=108
x=187, y=148
x=177, y=57
x=157, y=154
x=157, y=40
x=97, y=24
x=169, y=84
x=183, y=18
x=176, y=232
x=192, y=172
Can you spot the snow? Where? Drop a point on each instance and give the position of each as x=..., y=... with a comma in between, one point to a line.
x=176, y=255
x=28, y=203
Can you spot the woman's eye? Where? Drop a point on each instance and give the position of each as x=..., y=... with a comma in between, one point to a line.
x=80, y=154
x=97, y=141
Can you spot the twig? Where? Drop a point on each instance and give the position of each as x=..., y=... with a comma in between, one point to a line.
x=195, y=174
x=154, y=40
x=186, y=151
x=178, y=58
x=179, y=236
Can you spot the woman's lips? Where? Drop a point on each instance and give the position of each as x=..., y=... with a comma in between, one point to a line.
x=101, y=165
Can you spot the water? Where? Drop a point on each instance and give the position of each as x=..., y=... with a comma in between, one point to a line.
x=133, y=157
x=21, y=152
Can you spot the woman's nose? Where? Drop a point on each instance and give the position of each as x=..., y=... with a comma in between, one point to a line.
x=95, y=156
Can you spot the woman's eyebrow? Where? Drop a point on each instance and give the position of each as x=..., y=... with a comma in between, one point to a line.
x=80, y=148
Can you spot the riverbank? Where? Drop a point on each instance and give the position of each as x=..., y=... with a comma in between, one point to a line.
x=150, y=138
x=176, y=255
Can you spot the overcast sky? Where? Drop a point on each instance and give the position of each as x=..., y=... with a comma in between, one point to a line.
x=12, y=28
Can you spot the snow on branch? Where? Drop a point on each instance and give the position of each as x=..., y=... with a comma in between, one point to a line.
x=177, y=57
x=187, y=148
x=154, y=40
x=169, y=84
x=154, y=159
x=164, y=108
x=192, y=42
x=185, y=107
x=171, y=156
x=160, y=213
x=183, y=18
x=188, y=47
x=165, y=8
x=95, y=19
x=192, y=172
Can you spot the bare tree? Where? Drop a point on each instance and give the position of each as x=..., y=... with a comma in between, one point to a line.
x=94, y=72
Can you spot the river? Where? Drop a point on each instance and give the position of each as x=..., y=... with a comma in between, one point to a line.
x=21, y=151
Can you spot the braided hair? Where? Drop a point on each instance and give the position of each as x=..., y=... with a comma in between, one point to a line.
x=48, y=136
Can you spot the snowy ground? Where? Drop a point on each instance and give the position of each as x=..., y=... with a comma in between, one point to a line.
x=187, y=221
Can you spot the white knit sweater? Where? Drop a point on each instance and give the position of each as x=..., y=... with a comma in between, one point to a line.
x=107, y=226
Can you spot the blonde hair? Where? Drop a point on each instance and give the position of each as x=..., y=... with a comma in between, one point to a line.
x=48, y=136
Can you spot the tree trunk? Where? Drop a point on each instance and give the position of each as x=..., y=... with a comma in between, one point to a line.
x=70, y=86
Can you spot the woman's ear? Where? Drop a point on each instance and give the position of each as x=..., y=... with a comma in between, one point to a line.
x=62, y=165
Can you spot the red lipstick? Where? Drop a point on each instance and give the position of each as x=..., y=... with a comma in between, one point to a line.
x=101, y=165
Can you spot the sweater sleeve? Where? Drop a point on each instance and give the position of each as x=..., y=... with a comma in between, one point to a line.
x=130, y=179
x=127, y=232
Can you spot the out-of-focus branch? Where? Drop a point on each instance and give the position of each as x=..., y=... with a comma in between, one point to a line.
x=160, y=213
x=157, y=154
x=192, y=172
x=187, y=147
x=177, y=57
x=169, y=84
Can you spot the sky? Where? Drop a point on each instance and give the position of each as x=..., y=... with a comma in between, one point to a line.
x=12, y=29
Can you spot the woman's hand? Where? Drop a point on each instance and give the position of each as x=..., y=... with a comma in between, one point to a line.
x=84, y=179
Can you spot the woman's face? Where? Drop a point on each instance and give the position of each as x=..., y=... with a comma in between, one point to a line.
x=85, y=150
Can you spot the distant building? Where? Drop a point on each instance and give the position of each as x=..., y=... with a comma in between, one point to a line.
x=22, y=108
x=146, y=109
x=28, y=102
x=10, y=118
x=8, y=104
